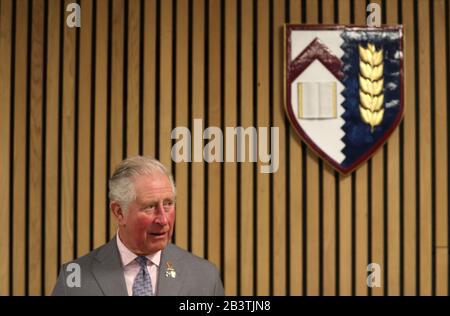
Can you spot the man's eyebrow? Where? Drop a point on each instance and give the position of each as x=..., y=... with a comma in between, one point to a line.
x=147, y=201
x=155, y=200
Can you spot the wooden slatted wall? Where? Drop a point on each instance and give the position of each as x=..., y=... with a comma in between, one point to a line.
x=74, y=102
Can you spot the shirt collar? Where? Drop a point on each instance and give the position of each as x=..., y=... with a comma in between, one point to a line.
x=128, y=256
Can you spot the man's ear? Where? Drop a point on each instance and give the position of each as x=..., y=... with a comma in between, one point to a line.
x=118, y=212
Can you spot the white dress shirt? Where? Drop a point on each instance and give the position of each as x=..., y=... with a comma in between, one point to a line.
x=131, y=267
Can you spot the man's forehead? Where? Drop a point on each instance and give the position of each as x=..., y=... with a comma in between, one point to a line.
x=152, y=184
x=151, y=177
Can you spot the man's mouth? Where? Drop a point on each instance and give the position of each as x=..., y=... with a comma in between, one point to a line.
x=158, y=234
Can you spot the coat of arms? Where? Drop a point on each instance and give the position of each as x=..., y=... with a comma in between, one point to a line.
x=344, y=89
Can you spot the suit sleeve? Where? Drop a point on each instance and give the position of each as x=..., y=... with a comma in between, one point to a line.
x=60, y=287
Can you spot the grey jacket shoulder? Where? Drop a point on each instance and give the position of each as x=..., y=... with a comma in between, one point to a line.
x=194, y=262
x=193, y=275
x=100, y=272
x=86, y=275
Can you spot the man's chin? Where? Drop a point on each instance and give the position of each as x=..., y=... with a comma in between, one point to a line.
x=158, y=245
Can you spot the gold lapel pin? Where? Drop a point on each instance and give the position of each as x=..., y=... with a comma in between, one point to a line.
x=170, y=271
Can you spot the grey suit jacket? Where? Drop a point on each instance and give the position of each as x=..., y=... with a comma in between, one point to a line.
x=101, y=273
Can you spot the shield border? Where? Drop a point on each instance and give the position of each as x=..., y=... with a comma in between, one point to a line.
x=288, y=28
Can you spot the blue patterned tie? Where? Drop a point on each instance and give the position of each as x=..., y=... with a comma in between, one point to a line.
x=142, y=285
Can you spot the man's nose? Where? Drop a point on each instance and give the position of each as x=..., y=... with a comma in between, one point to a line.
x=161, y=217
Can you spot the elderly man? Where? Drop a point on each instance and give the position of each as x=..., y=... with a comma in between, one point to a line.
x=140, y=260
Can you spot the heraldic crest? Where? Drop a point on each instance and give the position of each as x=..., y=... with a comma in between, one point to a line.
x=344, y=89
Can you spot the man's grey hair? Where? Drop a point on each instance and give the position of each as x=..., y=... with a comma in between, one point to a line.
x=121, y=183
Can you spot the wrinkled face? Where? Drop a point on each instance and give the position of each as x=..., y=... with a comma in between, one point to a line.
x=147, y=227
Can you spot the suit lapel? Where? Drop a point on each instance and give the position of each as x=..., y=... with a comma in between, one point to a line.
x=108, y=271
x=170, y=283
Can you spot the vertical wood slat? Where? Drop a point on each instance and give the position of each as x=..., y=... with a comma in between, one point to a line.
x=377, y=222
x=149, y=86
x=117, y=91
x=20, y=116
x=409, y=180
x=67, y=150
x=393, y=196
x=312, y=191
x=181, y=115
x=35, y=150
x=84, y=130
x=133, y=85
x=165, y=77
x=424, y=149
x=441, y=150
x=230, y=119
x=361, y=199
x=51, y=155
x=329, y=201
x=100, y=154
x=214, y=119
x=5, y=132
x=198, y=107
x=279, y=177
x=248, y=274
x=361, y=234
x=377, y=200
x=295, y=187
x=345, y=203
x=262, y=179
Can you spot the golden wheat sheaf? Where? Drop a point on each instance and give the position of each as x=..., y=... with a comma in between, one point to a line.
x=371, y=97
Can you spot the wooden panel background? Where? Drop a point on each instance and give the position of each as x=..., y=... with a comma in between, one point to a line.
x=74, y=102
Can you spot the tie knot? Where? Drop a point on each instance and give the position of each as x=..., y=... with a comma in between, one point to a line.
x=142, y=260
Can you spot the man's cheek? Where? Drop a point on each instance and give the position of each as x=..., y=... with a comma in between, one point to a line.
x=143, y=224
